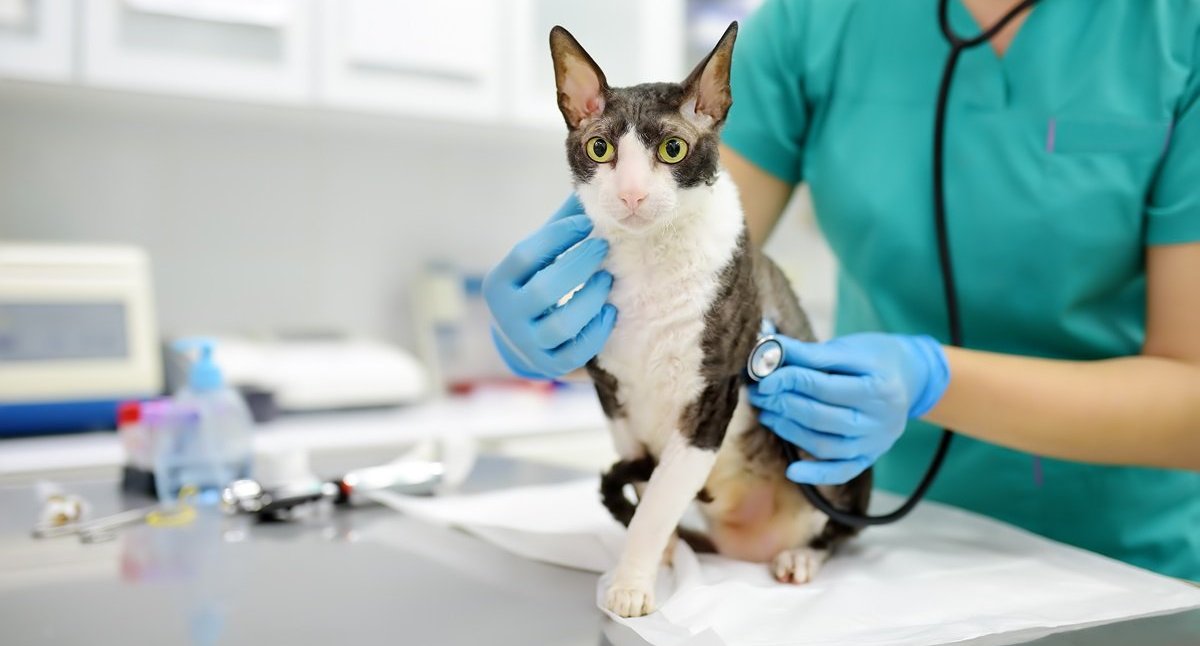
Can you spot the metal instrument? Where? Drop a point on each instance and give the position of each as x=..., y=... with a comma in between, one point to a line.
x=767, y=355
x=98, y=530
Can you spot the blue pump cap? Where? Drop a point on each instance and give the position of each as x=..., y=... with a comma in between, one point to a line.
x=204, y=374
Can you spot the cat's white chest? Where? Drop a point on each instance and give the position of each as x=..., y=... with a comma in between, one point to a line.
x=662, y=289
x=656, y=346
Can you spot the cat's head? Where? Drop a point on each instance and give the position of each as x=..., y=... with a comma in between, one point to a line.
x=640, y=155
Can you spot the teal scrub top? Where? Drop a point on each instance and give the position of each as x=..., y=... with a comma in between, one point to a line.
x=1065, y=159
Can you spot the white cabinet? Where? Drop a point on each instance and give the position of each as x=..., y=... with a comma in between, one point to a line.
x=633, y=41
x=35, y=39
x=475, y=60
x=255, y=50
x=441, y=58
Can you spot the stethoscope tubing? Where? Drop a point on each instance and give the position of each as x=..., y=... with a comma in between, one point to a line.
x=945, y=261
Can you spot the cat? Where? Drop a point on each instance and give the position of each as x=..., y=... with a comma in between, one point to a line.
x=691, y=294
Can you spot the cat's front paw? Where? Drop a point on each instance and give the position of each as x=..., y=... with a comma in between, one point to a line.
x=629, y=599
x=797, y=565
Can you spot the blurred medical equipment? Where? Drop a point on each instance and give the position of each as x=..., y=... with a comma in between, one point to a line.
x=453, y=329
x=100, y=527
x=279, y=503
x=284, y=484
x=300, y=374
x=59, y=508
x=176, y=513
x=78, y=334
x=140, y=426
x=207, y=442
x=285, y=489
x=404, y=475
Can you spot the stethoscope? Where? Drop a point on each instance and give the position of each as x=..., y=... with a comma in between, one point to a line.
x=767, y=355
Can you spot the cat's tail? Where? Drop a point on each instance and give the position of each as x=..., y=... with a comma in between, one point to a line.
x=613, y=482
x=612, y=494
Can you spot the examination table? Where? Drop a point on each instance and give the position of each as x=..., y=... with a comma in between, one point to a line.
x=362, y=576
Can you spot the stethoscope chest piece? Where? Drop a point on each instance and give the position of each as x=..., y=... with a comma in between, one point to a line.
x=765, y=359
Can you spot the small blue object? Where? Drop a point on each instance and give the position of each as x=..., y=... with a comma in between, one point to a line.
x=57, y=417
x=204, y=375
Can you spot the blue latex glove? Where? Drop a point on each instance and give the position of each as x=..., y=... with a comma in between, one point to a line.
x=537, y=338
x=847, y=401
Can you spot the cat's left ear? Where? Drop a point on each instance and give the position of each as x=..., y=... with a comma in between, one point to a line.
x=707, y=88
x=581, y=85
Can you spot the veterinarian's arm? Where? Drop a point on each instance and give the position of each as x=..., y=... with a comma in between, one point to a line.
x=1142, y=410
x=763, y=195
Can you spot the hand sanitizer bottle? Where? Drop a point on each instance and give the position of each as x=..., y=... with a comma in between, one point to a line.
x=210, y=443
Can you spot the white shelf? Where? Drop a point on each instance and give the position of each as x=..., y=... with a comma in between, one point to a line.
x=485, y=418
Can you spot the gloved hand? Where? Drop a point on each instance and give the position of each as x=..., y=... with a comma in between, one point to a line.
x=537, y=338
x=846, y=401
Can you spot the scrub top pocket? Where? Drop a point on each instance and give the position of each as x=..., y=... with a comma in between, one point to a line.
x=1078, y=135
x=1099, y=170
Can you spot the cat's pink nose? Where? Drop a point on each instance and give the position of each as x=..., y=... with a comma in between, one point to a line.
x=633, y=199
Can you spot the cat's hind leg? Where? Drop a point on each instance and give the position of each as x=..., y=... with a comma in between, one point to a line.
x=798, y=564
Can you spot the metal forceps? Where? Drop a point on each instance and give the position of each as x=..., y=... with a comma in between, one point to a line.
x=98, y=530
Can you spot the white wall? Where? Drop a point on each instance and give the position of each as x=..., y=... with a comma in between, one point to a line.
x=267, y=219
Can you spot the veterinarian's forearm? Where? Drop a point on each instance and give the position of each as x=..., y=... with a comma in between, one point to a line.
x=1141, y=410
x=763, y=195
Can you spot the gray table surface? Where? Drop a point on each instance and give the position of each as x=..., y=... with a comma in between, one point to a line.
x=360, y=576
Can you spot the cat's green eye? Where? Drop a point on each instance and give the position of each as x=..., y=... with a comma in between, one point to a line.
x=672, y=150
x=599, y=150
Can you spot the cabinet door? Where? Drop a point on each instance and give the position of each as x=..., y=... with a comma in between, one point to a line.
x=255, y=50
x=413, y=56
x=35, y=39
x=633, y=41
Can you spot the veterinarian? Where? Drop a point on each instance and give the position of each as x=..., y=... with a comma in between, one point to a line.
x=1072, y=184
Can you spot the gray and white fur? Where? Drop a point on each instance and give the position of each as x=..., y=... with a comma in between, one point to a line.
x=691, y=292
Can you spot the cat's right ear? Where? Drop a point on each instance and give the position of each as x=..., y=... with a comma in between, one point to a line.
x=581, y=84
